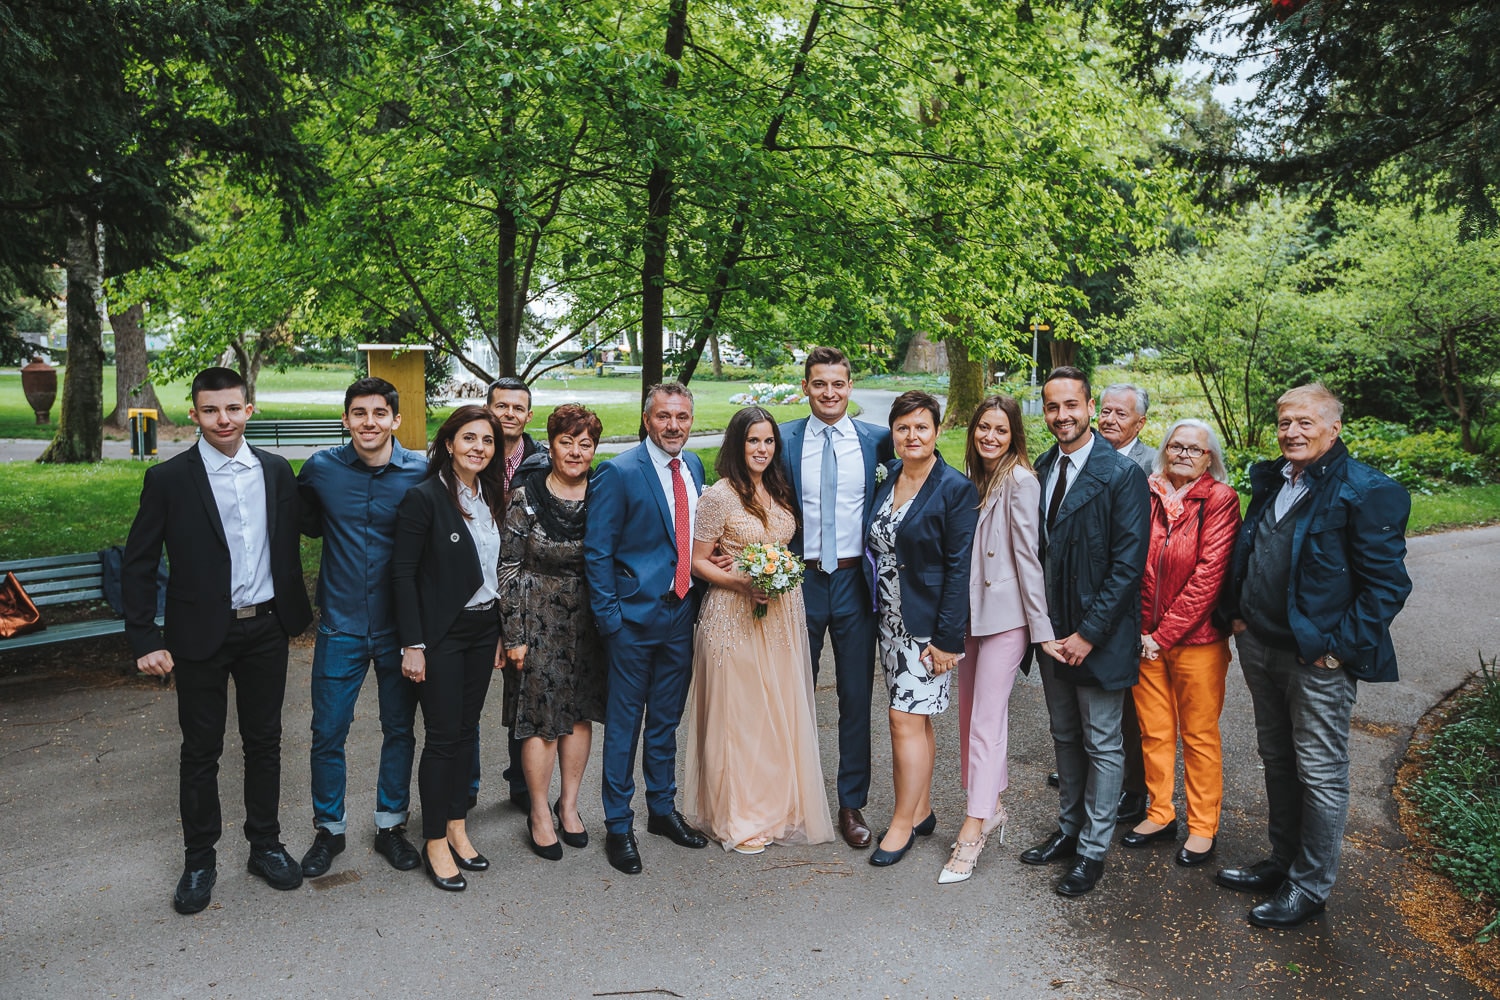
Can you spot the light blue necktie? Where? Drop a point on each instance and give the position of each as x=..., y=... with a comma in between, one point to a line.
x=828, y=495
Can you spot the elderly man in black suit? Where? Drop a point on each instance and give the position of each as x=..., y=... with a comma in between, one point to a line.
x=1095, y=532
x=228, y=516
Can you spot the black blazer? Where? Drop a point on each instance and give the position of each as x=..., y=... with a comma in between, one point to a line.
x=1093, y=560
x=434, y=565
x=933, y=543
x=178, y=511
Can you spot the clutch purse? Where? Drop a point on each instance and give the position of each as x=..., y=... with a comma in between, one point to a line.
x=18, y=613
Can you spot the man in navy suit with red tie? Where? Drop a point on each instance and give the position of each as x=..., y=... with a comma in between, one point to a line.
x=636, y=550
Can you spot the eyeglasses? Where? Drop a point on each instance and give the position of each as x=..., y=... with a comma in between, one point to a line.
x=1186, y=450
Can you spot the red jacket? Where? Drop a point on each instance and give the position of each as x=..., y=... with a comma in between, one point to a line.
x=1186, y=565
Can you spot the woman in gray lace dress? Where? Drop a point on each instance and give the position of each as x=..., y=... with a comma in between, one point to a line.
x=554, y=689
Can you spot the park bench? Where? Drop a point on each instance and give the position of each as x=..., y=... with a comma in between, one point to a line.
x=281, y=433
x=58, y=581
x=623, y=369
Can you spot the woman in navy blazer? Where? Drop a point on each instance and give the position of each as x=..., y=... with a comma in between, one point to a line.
x=445, y=575
x=1007, y=612
x=920, y=530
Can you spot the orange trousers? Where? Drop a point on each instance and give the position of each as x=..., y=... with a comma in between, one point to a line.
x=1182, y=694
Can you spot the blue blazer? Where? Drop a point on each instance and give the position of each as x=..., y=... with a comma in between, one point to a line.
x=933, y=545
x=629, y=544
x=874, y=443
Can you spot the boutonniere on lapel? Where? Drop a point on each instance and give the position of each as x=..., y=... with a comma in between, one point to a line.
x=881, y=473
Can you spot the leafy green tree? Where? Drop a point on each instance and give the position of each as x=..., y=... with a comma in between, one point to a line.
x=112, y=110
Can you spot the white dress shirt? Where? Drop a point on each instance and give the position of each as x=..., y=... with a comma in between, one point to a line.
x=239, y=488
x=662, y=461
x=1295, y=489
x=849, y=518
x=1076, y=461
x=1124, y=449
x=486, y=535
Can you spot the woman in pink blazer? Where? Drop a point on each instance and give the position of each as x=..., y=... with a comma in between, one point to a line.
x=1007, y=612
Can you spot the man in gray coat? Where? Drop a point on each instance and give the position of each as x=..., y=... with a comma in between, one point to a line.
x=1095, y=532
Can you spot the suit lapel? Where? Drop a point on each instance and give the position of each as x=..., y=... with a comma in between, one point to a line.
x=1087, y=485
x=867, y=449
x=653, y=487
x=925, y=494
x=199, y=474
x=270, y=488
x=796, y=433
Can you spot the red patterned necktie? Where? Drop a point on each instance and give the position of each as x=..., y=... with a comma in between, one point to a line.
x=682, y=580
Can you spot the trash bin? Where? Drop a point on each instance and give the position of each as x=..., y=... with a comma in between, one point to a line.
x=142, y=433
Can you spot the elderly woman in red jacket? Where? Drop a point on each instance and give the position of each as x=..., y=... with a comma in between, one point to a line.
x=1195, y=517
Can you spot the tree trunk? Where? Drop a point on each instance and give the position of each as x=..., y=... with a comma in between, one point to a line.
x=659, y=187
x=1064, y=352
x=966, y=383
x=132, y=370
x=80, y=425
x=718, y=362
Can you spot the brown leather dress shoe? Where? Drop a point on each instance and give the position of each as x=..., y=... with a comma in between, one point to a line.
x=852, y=826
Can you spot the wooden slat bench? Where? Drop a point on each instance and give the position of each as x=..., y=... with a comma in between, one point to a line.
x=56, y=581
x=279, y=433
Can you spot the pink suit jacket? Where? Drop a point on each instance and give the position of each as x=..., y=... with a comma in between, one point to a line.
x=1006, y=589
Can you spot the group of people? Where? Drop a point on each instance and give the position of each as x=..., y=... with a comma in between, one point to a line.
x=615, y=595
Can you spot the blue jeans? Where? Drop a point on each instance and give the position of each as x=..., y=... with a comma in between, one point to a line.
x=340, y=661
x=1302, y=717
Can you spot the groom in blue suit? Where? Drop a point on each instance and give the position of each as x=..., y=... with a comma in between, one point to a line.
x=636, y=554
x=832, y=460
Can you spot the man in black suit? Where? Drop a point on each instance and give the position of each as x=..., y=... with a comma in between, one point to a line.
x=228, y=516
x=1095, y=530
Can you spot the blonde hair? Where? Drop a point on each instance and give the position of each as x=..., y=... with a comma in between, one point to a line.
x=1316, y=395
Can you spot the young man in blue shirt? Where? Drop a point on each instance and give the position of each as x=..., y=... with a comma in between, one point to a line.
x=349, y=498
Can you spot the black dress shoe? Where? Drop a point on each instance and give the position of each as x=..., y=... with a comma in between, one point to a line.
x=579, y=840
x=276, y=866
x=1192, y=859
x=1058, y=847
x=455, y=884
x=1263, y=876
x=521, y=799
x=1132, y=808
x=320, y=855
x=1133, y=839
x=881, y=858
x=672, y=825
x=623, y=853
x=478, y=863
x=927, y=827
x=400, y=852
x=1081, y=878
x=1052, y=780
x=194, y=890
x=1290, y=907
x=552, y=852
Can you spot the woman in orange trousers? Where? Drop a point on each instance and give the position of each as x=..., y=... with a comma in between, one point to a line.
x=1195, y=517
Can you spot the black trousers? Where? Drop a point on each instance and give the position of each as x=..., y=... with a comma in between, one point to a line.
x=459, y=668
x=1135, y=764
x=254, y=654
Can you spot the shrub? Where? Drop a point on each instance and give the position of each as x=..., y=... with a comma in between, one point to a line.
x=1458, y=793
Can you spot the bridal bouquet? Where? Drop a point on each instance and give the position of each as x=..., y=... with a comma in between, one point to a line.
x=771, y=568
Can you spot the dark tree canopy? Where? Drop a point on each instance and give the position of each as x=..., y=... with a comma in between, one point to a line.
x=1345, y=88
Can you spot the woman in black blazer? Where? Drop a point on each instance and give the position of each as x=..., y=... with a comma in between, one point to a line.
x=919, y=536
x=445, y=572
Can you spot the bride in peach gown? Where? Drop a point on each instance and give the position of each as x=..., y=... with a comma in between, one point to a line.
x=754, y=776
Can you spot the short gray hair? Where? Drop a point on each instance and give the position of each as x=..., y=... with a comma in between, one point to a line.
x=1216, y=467
x=1318, y=396
x=666, y=389
x=1142, y=400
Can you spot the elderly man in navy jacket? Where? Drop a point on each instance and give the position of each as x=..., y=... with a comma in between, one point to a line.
x=1319, y=573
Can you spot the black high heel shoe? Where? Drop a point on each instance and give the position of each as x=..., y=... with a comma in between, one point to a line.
x=477, y=863
x=455, y=884
x=552, y=852
x=580, y=839
x=881, y=858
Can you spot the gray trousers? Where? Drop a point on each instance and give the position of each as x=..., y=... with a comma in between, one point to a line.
x=1090, y=758
x=1302, y=717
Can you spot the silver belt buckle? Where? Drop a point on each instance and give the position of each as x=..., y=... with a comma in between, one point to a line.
x=246, y=612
